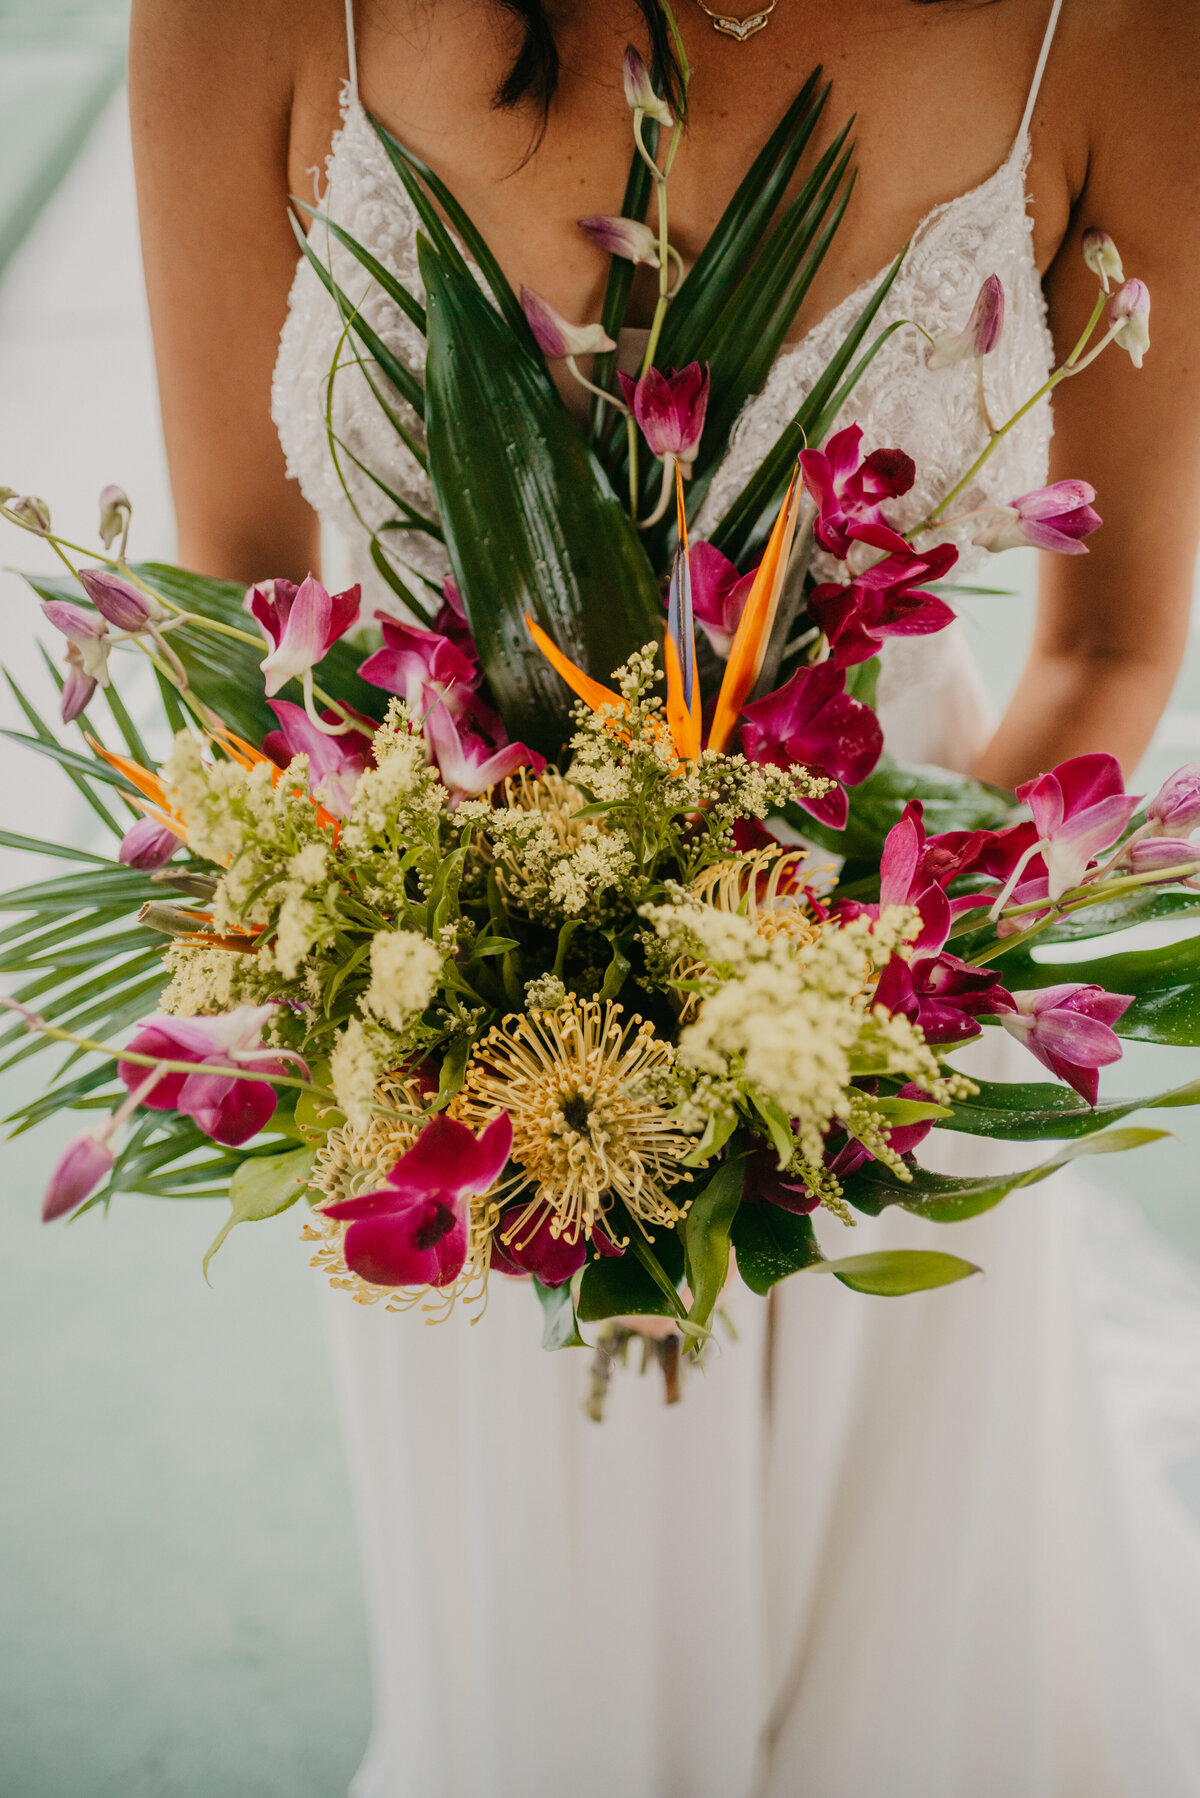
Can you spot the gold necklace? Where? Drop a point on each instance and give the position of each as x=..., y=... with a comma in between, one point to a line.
x=741, y=29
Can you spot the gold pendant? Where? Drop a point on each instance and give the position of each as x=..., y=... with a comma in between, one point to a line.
x=741, y=29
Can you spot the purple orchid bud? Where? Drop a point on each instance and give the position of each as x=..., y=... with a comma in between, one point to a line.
x=300, y=623
x=228, y=1109
x=1175, y=808
x=115, y=513
x=1129, y=314
x=1102, y=257
x=556, y=337
x=466, y=761
x=88, y=645
x=34, y=513
x=123, y=604
x=1057, y=518
x=623, y=237
x=147, y=845
x=79, y=1170
x=814, y=721
x=981, y=333
x=639, y=89
x=670, y=409
x=1149, y=855
x=78, y=687
x=414, y=1230
x=1070, y=1030
x=1078, y=810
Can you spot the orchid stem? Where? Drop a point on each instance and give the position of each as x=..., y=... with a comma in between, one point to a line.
x=1078, y=899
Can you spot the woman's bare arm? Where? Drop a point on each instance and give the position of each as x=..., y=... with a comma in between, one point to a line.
x=1112, y=625
x=211, y=85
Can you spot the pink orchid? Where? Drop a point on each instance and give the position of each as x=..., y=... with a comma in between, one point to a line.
x=556, y=337
x=1147, y=855
x=147, y=845
x=1175, y=808
x=719, y=595
x=885, y=600
x=1078, y=810
x=467, y=763
x=88, y=646
x=335, y=764
x=670, y=409
x=79, y=1170
x=981, y=333
x=537, y=1250
x=813, y=721
x=300, y=623
x=849, y=492
x=1057, y=518
x=229, y=1109
x=1102, y=256
x=639, y=88
x=414, y=1230
x=417, y=664
x=1069, y=1029
x=1129, y=319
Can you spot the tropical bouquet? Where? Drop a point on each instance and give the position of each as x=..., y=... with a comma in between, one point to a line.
x=582, y=931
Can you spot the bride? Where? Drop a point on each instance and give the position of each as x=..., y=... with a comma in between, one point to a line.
x=919, y=1564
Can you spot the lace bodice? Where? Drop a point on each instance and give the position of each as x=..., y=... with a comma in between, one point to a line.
x=933, y=414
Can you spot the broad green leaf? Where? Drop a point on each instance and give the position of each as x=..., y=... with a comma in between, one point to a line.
x=262, y=1188
x=531, y=522
x=1030, y=1112
x=1165, y=984
x=613, y=1287
x=706, y=1237
x=559, y=1329
x=890, y=1273
x=771, y=1243
x=948, y=1198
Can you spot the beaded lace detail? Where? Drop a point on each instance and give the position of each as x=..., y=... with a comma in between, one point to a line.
x=934, y=415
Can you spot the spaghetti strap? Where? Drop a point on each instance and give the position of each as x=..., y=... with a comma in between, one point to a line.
x=350, y=49
x=1038, y=72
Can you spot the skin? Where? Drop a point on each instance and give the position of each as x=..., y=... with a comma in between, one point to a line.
x=234, y=104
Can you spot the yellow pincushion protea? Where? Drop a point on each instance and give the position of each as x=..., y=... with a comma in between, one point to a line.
x=582, y=1088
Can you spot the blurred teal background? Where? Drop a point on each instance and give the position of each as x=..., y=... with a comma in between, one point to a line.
x=181, y=1616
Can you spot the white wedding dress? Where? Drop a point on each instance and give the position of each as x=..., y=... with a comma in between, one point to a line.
x=884, y=1548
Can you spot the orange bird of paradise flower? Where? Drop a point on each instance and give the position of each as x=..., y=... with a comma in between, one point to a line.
x=679, y=646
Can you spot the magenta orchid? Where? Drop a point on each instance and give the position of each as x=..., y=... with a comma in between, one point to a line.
x=885, y=600
x=1056, y=518
x=719, y=595
x=1070, y=1030
x=414, y=1230
x=224, y=1106
x=466, y=761
x=670, y=409
x=300, y=624
x=420, y=665
x=552, y=1256
x=942, y=994
x=147, y=845
x=335, y=763
x=450, y=620
x=556, y=337
x=849, y=490
x=814, y=721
